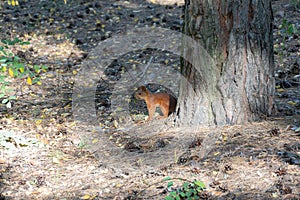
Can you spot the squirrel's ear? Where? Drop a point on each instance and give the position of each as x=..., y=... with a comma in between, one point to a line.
x=143, y=88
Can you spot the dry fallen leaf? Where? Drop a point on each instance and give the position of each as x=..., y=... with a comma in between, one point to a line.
x=2, y=161
x=56, y=160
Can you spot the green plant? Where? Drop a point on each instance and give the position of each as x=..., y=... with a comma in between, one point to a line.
x=12, y=67
x=188, y=190
x=295, y=3
x=286, y=30
x=81, y=145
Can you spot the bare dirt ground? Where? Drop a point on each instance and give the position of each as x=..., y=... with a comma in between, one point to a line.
x=46, y=154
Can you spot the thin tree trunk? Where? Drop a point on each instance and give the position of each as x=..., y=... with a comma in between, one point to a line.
x=239, y=86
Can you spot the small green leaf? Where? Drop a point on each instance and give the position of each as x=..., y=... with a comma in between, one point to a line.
x=199, y=184
x=3, y=60
x=173, y=193
x=194, y=191
x=4, y=101
x=35, y=80
x=12, y=97
x=182, y=194
x=37, y=68
x=16, y=59
x=44, y=68
x=169, y=198
x=16, y=40
x=189, y=193
x=24, y=43
x=284, y=22
x=291, y=29
x=185, y=186
x=170, y=184
x=167, y=178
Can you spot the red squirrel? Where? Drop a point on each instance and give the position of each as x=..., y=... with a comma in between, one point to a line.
x=165, y=101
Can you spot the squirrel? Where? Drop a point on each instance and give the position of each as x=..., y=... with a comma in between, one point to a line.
x=165, y=101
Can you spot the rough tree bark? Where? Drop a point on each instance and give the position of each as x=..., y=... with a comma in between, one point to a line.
x=239, y=87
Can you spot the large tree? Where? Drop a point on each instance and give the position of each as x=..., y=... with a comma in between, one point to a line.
x=238, y=85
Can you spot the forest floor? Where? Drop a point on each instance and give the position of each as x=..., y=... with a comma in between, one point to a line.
x=46, y=153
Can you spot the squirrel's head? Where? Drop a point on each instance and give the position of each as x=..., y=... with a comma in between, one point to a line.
x=141, y=92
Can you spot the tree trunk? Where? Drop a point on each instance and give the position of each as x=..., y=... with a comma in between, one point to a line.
x=237, y=86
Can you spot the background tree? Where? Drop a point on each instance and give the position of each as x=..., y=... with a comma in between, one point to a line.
x=239, y=87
